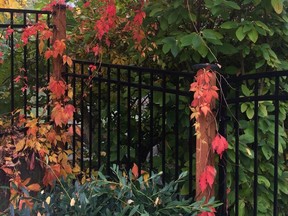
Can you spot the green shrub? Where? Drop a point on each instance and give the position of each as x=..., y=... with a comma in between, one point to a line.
x=115, y=196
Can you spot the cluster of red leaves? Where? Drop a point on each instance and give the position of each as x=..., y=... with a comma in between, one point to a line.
x=205, y=94
x=41, y=27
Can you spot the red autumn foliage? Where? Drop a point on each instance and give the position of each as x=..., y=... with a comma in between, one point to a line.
x=57, y=88
x=207, y=178
x=212, y=213
x=219, y=144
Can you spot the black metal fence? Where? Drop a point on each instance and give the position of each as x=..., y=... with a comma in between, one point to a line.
x=25, y=64
x=128, y=115
x=255, y=167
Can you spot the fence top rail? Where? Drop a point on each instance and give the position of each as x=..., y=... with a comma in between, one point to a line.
x=12, y=10
x=136, y=68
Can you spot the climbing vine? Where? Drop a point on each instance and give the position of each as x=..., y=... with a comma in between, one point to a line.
x=205, y=95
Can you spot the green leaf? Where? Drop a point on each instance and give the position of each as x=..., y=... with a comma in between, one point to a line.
x=264, y=181
x=245, y=90
x=173, y=17
x=203, y=50
x=134, y=210
x=244, y=107
x=229, y=25
x=232, y=4
x=253, y=35
x=166, y=48
x=267, y=152
x=277, y=5
x=187, y=40
x=250, y=112
x=263, y=110
x=211, y=34
x=239, y=33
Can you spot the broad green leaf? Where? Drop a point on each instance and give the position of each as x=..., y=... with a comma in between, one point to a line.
x=203, y=50
x=253, y=35
x=187, y=40
x=229, y=25
x=263, y=110
x=244, y=107
x=263, y=180
x=166, y=48
x=245, y=90
x=239, y=33
x=277, y=5
x=232, y=4
x=250, y=112
x=262, y=25
x=211, y=34
x=267, y=152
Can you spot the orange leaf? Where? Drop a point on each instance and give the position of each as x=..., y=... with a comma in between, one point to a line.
x=135, y=171
x=7, y=170
x=57, y=87
x=34, y=187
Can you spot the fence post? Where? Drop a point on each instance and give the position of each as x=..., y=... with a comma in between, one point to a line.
x=204, y=152
x=59, y=33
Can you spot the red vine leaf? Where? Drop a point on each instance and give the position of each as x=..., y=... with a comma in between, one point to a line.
x=207, y=177
x=219, y=144
x=135, y=171
x=57, y=87
x=212, y=213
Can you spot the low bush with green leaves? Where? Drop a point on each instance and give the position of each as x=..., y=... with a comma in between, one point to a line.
x=117, y=195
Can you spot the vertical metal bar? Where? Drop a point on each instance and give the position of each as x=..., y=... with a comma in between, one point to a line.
x=276, y=148
x=164, y=126
x=74, y=115
x=99, y=119
x=118, y=116
x=90, y=122
x=109, y=119
x=151, y=132
x=129, y=117
x=191, y=143
x=25, y=71
x=177, y=129
x=255, y=148
x=222, y=210
x=139, y=144
x=82, y=117
x=237, y=162
x=48, y=75
x=37, y=70
x=12, y=68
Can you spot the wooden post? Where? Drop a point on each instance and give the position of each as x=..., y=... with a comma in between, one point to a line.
x=204, y=152
x=59, y=33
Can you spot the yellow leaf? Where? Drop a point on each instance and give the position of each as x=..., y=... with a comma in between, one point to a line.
x=76, y=169
x=41, y=46
x=277, y=5
x=48, y=200
x=20, y=145
x=72, y=202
